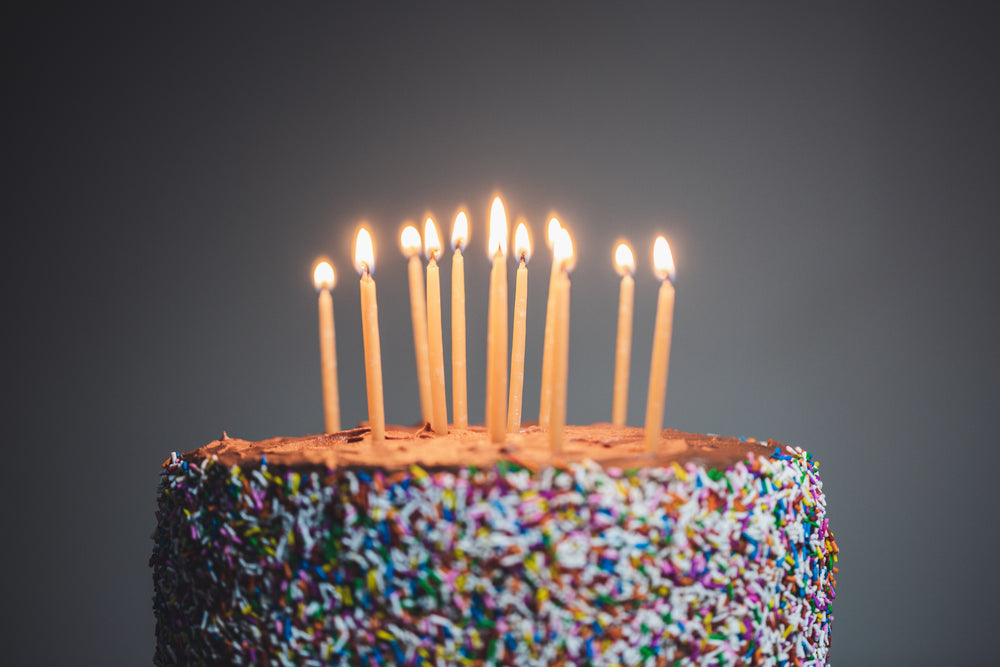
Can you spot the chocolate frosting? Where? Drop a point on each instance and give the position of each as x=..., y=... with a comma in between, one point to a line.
x=608, y=445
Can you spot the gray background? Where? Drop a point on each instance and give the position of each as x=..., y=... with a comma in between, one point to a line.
x=827, y=178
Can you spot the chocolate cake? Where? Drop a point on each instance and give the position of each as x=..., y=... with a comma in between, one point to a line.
x=448, y=550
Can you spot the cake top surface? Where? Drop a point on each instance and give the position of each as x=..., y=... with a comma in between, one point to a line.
x=602, y=443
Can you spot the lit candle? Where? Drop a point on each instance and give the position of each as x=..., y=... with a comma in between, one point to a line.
x=496, y=341
x=459, y=395
x=324, y=278
x=522, y=250
x=364, y=263
x=625, y=266
x=663, y=267
x=545, y=402
x=563, y=256
x=435, y=338
x=410, y=241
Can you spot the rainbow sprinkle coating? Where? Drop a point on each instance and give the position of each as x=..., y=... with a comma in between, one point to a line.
x=494, y=566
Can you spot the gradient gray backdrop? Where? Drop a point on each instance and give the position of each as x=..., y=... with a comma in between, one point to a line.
x=827, y=177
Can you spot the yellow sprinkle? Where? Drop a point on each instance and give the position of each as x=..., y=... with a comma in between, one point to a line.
x=347, y=596
x=418, y=472
x=708, y=623
x=382, y=634
x=681, y=472
x=371, y=580
x=787, y=632
x=542, y=595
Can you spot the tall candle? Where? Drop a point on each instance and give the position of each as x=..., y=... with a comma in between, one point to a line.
x=545, y=400
x=324, y=278
x=410, y=241
x=522, y=250
x=625, y=266
x=663, y=267
x=496, y=342
x=560, y=349
x=459, y=394
x=364, y=263
x=435, y=338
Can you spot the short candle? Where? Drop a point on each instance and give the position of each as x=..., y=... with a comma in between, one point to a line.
x=496, y=342
x=364, y=263
x=324, y=279
x=522, y=252
x=459, y=391
x=435, y=338
x=659, y=365
x=625, y=266
x=409, y=240
x=545, y=398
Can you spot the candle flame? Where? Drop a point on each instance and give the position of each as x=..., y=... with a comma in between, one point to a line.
x=624, y=261
x=553, y=232
x=522, y=244
x=498, y=229
x=323, y=275
x=409, y=239
x=663, y=261
x=364, y=253
x=562, y=251
x=460, y=232
x=432, y=244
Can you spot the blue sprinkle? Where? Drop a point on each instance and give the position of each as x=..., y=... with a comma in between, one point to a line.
x=509, y=641
x=400, y=658
x=364, y=477
x=319, y=572
x=263, y=461
x=288, y=628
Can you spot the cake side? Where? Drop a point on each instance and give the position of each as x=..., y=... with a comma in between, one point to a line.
x=514, y=560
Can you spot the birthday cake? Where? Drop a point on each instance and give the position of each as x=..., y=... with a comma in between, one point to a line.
x=449, y=550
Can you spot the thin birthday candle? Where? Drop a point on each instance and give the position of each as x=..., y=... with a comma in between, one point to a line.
x=409, y=240
x=522, y=251
x=625, y=266
x=659, y=365
x=564, y=258
x=435, y=338
x=459, y=394
x=324, y=279
x=496, y=342
x=364, y=263
x=545, y=402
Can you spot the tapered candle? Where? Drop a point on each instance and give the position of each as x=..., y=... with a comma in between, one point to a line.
x=324, y=278
x=545, y=400
x=435, y=337
x=522, y=251
x=459, y=393
x=659, y=365
x=364, y=263
x=410, y=242
x=496, y=342
x=563, y=256
x=625, y=266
